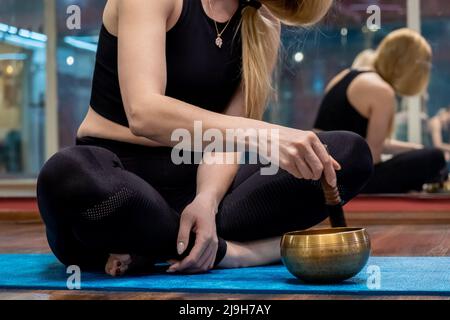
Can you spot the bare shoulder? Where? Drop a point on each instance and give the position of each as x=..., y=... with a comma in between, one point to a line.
x=142, y=10
x=371, y=92
x=142, y=4
x=143, y=7
x=374, y=85
x=336, y=80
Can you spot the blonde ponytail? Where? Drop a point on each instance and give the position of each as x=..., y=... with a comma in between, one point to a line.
x=260, y=37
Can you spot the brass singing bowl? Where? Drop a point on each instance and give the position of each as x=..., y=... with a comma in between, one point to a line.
x=326, y=255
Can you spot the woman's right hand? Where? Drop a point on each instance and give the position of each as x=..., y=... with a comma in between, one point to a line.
x=302, y=154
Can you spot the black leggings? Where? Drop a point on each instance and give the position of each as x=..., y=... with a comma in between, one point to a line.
x=408, y=171
x=104, y=196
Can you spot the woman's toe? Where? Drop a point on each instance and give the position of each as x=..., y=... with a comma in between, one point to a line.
x=117, y=265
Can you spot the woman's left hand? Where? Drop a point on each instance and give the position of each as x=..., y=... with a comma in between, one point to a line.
x=199, y=217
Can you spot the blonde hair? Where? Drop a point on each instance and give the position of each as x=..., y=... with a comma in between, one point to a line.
x=259, y=36
x=403, y=59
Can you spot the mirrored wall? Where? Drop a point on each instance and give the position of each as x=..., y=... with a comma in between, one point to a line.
x=310, y=58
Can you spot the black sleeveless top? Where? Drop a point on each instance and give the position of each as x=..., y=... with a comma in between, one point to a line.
x=198, y=72
x=337, y=113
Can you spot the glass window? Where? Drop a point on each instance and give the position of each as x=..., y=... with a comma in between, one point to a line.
x=22, y=88
x=436, y=29
x=310, y=58
x=75, y=61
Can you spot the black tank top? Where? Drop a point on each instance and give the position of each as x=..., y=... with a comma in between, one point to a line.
x=198, y=72
x=337, y=113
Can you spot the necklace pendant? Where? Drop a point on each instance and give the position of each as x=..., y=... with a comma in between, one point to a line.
x=219, y=42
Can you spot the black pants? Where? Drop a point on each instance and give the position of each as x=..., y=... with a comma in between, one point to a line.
x=103, y=197
x=408, y=172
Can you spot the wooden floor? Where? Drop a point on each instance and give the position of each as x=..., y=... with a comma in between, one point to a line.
x=387, y=240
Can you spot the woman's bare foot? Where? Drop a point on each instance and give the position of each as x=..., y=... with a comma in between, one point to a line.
x=251, y=254
x=239, y=255
x=119, y=264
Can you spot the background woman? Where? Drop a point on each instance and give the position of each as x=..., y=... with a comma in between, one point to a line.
x=439, y=127
x=161, y=65
x=363, y=100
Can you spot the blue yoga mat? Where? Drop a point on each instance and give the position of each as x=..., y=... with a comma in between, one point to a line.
x=398, y=276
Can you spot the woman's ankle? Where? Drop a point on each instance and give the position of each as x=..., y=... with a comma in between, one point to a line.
x=257, y=253
x=232, y=258
x=221, y=252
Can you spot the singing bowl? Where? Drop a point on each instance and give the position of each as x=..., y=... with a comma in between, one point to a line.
x=326, y=255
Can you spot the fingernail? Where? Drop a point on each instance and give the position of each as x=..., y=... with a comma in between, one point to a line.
x=170, y=271
x=180, y=247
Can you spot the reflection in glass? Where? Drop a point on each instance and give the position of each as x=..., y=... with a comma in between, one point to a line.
x=436, y=28
x=76, y=51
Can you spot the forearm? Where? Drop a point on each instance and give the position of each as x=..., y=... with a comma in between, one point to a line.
x=396, y=147
x=444, y=147
x=436, y=135
x=160, y=116
x=435, y=128
x=214, y=180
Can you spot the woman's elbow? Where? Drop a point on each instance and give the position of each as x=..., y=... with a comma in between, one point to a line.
x=140, y=120
x=135, y=121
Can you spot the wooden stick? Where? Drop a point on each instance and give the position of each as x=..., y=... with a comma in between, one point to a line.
x=333, y=201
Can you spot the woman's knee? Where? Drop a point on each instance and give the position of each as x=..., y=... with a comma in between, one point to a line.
x=71, y=177
x=436, y=158
x=354, y=155
x=350, y=150
x=435, y=162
